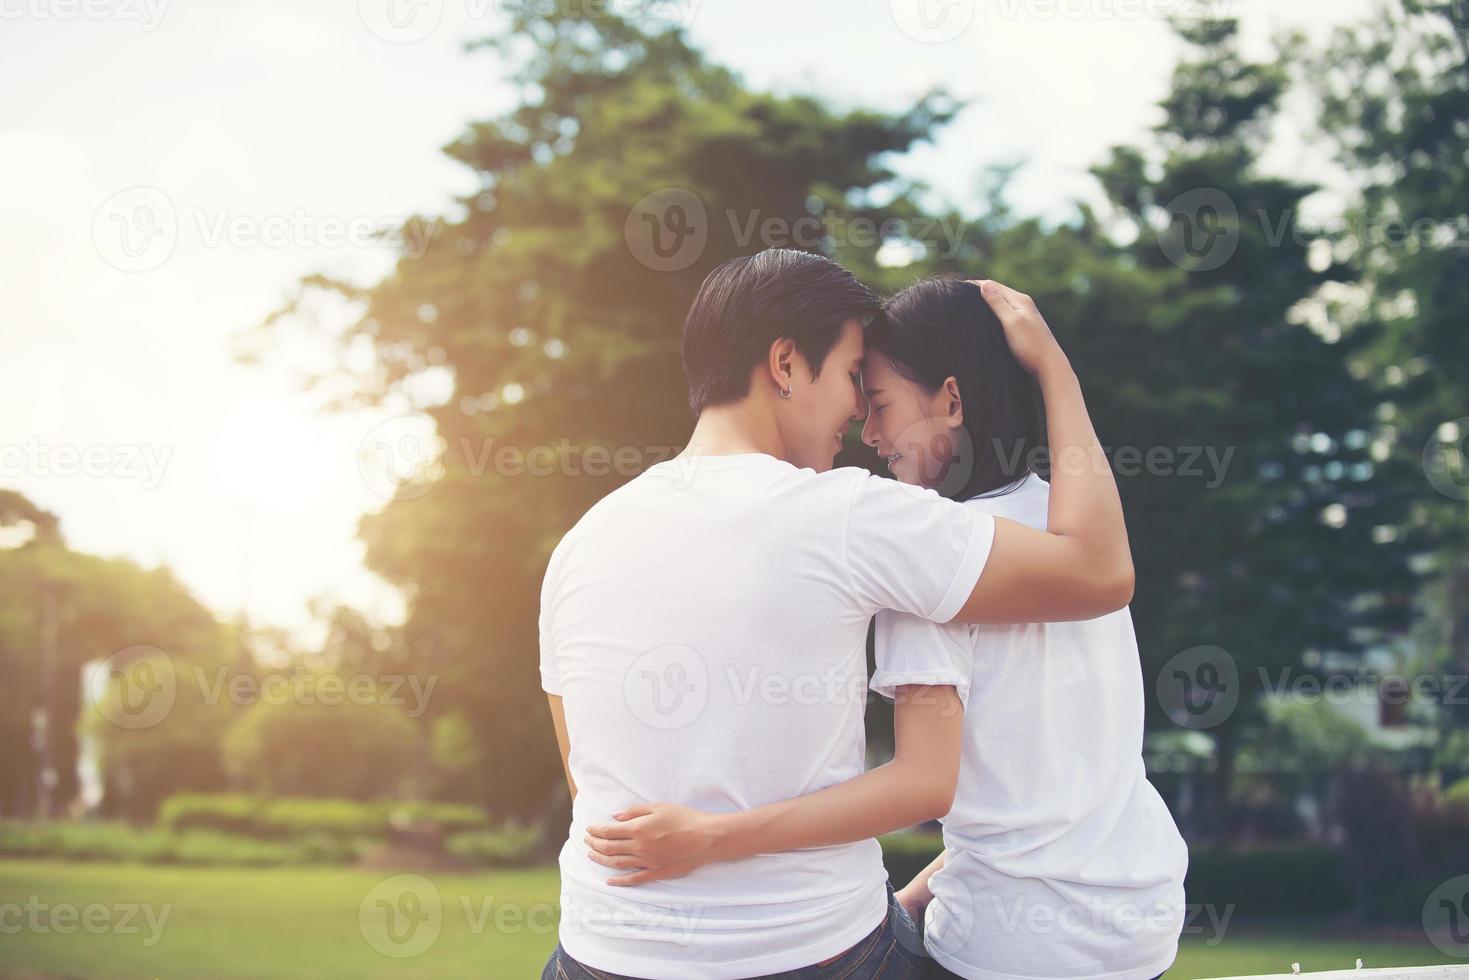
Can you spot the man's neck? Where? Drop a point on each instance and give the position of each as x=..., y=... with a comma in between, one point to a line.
x=728, y=430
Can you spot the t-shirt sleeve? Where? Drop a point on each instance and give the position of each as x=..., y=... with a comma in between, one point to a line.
x=550, y=671
x=910, y=650
x=913, y=551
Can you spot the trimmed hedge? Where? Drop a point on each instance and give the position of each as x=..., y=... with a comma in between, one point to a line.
x=240, y=829
x=1304, y=880
x=1296, y=881
x=127, y=844
x=288, y=819
x=510, y=846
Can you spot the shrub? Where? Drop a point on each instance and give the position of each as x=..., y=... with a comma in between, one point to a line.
x=453, y=818
x=127, y=844
x=360, y=751
x=204, y=847
x=1457, y=795
x=1441, y=831
x=287, y=818
x=82, y=841
x=231, y=813
x=512, y=845
x=1298, y=880
x=291, y=818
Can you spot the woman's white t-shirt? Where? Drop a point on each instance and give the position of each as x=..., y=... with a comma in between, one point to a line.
x=706, y=626
x=1062, y=861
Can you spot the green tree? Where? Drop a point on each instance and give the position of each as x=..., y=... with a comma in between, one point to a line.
x=1396, y=103
x=311, y=746
x=1237, y=347
x=1197, y=309
x=553, y=323
x=61, y=611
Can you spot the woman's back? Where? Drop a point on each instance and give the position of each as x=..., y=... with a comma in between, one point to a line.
x=1062, y=860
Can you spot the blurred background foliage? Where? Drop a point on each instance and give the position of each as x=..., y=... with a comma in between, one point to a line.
x=1321, y=358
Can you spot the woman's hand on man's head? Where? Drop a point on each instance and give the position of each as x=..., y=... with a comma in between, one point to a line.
x=1026, y=331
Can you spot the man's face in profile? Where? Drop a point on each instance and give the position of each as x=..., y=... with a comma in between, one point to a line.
x=823, y=407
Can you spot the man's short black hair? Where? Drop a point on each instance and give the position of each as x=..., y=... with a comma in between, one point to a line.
x=748, y=303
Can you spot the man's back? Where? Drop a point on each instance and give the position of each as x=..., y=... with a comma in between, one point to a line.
x=705, y=627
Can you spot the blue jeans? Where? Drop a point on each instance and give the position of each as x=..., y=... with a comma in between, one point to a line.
x=892, y=951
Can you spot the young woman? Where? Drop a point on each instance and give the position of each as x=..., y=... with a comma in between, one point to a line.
x=1060, y=859
x=1053, y=828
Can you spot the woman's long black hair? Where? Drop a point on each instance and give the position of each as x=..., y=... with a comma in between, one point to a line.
x=943, y=327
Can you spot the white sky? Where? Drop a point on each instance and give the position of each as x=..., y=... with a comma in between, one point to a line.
x=242, y=120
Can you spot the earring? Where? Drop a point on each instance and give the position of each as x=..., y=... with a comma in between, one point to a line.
x=786, y=391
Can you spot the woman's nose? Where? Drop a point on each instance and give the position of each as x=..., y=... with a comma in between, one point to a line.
x=869, y=431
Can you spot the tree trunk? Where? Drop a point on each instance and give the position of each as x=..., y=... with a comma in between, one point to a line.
x=1226, y=751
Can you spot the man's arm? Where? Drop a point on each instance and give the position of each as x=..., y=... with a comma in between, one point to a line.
x=558, y=720
x=1080, y=567
x=665, y=840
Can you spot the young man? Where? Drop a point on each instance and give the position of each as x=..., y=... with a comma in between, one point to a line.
x=703, y=633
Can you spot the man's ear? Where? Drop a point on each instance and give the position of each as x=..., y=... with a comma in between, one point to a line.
x=955, y=406
x=781, y=362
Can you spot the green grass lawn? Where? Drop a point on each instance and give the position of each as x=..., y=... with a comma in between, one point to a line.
x=330, y=923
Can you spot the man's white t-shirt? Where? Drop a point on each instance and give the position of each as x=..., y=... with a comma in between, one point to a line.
x=705, y=626
x=1062, y=861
